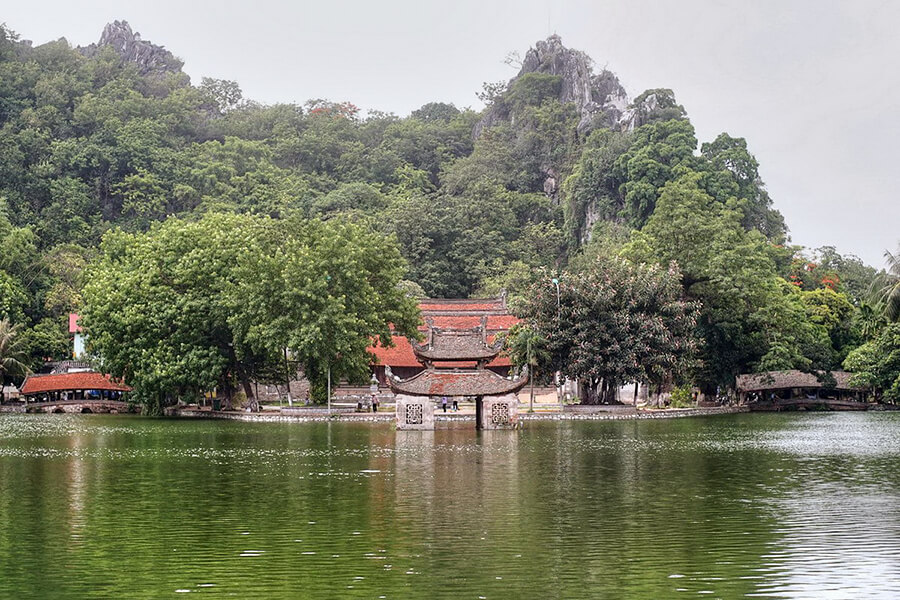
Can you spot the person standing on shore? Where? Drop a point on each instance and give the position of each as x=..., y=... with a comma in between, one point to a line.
x=444, y=403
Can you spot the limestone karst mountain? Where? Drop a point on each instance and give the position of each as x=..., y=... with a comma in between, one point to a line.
x=600, y=98
x=149, y=57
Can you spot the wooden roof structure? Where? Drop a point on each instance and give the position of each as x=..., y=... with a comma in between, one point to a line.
x=456, y=357
x=441, y=382
x=451, y=345
x=780, y=380
x=448, y=315
x=70, y=382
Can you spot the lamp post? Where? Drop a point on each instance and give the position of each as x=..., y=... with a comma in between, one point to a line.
x=558, y=375
x=287, y=379
x=556, y=283
x=530, y=373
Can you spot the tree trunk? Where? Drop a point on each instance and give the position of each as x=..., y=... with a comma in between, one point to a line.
x=227, y=388
x=248, y=388
x=590, y=394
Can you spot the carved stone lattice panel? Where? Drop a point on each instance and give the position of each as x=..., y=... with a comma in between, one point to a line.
x=500, y=413
x=414, y=414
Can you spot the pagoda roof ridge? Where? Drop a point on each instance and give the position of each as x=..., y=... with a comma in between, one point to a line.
x=451, y=344
x=442, y=382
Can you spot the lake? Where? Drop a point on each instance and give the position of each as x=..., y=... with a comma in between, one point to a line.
x=751, y=505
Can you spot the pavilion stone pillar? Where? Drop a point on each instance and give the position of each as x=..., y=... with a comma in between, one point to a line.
x=414, y=412
x=500, y=412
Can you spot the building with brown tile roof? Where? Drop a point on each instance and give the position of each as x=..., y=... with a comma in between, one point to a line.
x=447, y=315
x=76, y=383
x=454, y=361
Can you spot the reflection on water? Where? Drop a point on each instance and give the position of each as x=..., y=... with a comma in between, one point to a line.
x=780, y=506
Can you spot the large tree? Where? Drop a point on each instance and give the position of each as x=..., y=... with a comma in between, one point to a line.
x=12, y=353
x=876, y=364
x=887, y=287
x=323, y=291
x=752, y=319
x=190, y=306
x=614, y=323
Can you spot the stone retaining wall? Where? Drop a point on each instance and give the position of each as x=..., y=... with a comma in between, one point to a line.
x=312, y=415
x=672, y=413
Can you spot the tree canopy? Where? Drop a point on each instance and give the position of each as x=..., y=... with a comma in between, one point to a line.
x=92, y=147
x=614, y=323
x=191, y=306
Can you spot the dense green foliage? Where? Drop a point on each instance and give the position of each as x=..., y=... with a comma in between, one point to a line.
x=886, y=288
x=614, y=323
x=192, y=306
x=12, y=355
x=90, y=146
x=876, y=364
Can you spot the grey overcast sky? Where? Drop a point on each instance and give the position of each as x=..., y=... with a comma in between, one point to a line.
x=813, y=86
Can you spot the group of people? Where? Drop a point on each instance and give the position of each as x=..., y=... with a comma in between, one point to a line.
x=444, y=401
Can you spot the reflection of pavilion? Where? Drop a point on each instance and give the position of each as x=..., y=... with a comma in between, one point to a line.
x=448, y=356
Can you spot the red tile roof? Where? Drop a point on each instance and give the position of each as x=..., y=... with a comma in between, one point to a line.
x=402, y=355
x=450, y=314
x=39, y=384
x=457, y=383
x=454, y=307
x=494, y=322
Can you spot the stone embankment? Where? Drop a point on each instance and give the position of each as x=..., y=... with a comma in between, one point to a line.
x=628, y=413
x=303, y=415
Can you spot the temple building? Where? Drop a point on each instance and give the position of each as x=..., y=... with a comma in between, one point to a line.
x=457, y=361
x=447, y=315
x=75, y=385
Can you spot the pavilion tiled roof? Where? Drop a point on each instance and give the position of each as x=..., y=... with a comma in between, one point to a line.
x=457, y=383
x=64, y=382
x=777, y=380
x=450, y=314
x=401, y=354
x=452, y=344
x=434, y=305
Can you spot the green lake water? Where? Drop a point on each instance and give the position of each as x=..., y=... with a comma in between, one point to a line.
x=760, y=505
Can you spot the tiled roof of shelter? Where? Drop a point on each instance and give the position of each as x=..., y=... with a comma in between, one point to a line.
x=456, y=344
x=438, y=305
x=39, y=384
x=777, y=380
x=494, y=322
x=457, y=383
x=402, y=355
x=451, y=314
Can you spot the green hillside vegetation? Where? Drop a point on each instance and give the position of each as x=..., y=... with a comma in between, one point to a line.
x=92, y=148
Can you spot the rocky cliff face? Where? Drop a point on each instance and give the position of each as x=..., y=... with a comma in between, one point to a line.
x=150, y=58
x=597, y=96
x=600, y=98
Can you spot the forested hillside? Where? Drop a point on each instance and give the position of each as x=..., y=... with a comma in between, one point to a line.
x=559, y=168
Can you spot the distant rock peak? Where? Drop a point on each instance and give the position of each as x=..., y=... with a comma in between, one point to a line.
x=150, y=58
x=600, y=98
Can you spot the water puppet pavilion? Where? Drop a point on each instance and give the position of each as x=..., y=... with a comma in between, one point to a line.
x=454, y=364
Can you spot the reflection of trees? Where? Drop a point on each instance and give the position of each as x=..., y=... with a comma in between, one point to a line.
x=581, y=509
x=630, y=503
